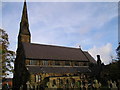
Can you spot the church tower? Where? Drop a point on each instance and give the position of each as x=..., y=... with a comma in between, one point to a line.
x=24, y=36
x=24, y=33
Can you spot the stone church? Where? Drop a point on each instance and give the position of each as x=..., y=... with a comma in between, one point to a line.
x=47, y=66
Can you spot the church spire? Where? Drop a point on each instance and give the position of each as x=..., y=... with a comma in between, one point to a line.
x=24, y=33
x=24, y=25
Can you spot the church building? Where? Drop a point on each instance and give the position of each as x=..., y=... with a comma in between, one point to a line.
x=47, y=66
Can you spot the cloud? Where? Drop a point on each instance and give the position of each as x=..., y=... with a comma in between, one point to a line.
x=68, y=19
x=104, y=51
x=76, y=17
x=70, y=23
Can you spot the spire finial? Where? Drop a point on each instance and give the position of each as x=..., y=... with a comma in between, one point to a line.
x=24, y=14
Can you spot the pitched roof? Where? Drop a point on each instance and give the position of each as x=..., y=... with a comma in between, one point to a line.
x=91, y=59
x=49, y=52
x=38, y=69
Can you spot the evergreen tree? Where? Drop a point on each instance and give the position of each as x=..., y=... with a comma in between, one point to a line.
x=118, y=51
x=6, y=56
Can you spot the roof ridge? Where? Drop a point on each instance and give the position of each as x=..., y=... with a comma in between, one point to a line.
x=53, y=45
x=85, y=51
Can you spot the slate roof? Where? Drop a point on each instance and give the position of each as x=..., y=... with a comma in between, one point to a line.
x=50, y=52
x=38, y=69
x=91, y=59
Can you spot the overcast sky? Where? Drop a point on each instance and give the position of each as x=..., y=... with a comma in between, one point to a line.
x=92, y=25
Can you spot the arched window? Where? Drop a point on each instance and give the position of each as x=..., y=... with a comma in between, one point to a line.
x=76, y=63
x=72, y=63
x=45, y=62
x=67, y=63
x=61, y=81
x=40, y=62
x=33, y=62
x=54, y=82
x=57, y=62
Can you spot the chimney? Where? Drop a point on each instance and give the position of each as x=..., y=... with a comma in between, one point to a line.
x=98, y=57
x=98, y=60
